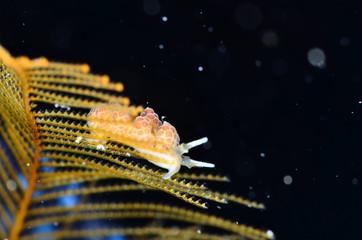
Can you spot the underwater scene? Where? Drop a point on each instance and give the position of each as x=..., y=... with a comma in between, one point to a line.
x=181, y=120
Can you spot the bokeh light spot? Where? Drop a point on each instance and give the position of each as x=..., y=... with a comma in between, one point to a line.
x=344, y=41
x=248, y=16
x=151, y=7
x=287, y=180
x=280, y=67
x=270, y=38
x=354, y=181
x=317, y=58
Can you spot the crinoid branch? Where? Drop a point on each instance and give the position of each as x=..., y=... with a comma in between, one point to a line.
x=72, y=149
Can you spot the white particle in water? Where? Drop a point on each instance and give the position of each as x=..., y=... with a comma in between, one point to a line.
x=27, y=164
x=221, y=48
x=308, y=79
x=164, y=18
x=270, y=38
x=344, y=41
x=199, y=231
x=258, y=63
x=262, y=155
x=317, y=58
x=210, y=29
x=151, y=7
x=200, y=68
x=354, y=181
x=287, y=179
x=161, y=46
x=248, y=16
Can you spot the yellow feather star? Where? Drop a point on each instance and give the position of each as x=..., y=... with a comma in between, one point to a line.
x=61, y=126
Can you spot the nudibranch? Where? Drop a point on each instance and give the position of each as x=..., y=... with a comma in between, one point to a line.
x=154, y=140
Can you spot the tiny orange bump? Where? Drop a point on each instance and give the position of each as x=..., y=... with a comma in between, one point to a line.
x=156, y=123
x=139, y=108
x=116, y=115
x=105, y=79
x=22, y=60
x=139, y=119
x=149, y=111
x=126, y=101
x=127, y=117
x=119, y=87
x=85, y=68
x=40, y=62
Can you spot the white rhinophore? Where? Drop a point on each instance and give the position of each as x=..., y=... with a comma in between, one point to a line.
x=186, y=160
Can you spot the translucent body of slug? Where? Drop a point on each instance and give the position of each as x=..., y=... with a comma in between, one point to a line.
x=156, y=141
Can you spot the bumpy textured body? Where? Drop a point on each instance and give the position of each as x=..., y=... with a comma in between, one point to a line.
x=156, y=141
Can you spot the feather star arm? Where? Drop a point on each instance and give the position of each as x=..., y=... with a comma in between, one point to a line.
x=154, y=140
